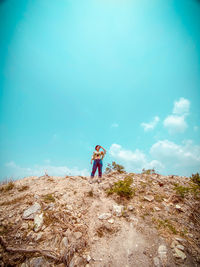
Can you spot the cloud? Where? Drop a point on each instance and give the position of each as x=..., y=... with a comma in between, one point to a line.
x=196, y=128
x=38, y=170
x=151, y=125
x=175, y=123
x=181, y=106
x=165, y=156
x=183, y=158
x=133, y=160
x=114, y=125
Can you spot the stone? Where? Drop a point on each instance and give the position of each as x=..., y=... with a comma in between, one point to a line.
x=174, y=244
x=38, y=222
x=30, y=213
x=157, y=209
x=179, y=239
x=156, y=261
x=149, y=198
x=179, y=254
x=178, y=207
x=104, y=216
x=24, y=226
x=65, y=242
x=130, y=207
x=88, y=258
x=111, y=220
x=78, y=235
x=38, y=262
x=117, y=210
x=38, y=237
x=162, y=252
x=180, y=247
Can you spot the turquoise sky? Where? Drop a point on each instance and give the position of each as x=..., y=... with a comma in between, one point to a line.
x=77, y=73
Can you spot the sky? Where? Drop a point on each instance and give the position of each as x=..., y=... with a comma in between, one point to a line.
x=121, y=74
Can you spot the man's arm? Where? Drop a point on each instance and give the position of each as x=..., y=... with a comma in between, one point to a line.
x=103, y=149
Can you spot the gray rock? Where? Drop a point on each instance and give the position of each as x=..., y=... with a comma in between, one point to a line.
x=130, y=207
x=30, y=213
x=38, y=222
x=179, y=254
x=78, y=235
x=162, y=252
x=117, y=210
x=180, y=247
x=156, y=261
x=38, y=262
x=65, y=242
x=149, y=198
x=104, y=216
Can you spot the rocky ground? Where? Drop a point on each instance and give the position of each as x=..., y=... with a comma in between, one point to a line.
x=66, y=221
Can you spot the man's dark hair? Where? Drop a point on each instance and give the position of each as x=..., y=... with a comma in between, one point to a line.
x=96, y=147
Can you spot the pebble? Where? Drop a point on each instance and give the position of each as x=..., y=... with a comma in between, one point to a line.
x=78, y=235
x=149, y=198
x=162, y=252
x=104, y=216
x=38, y=222
x=156, y=261
x=180, y=247
x=111, y=220
x=117, y=210
x=130, y=207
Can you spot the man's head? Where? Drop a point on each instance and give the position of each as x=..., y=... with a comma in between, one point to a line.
x=97, y=147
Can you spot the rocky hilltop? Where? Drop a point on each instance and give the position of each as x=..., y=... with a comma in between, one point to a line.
x=126, y=220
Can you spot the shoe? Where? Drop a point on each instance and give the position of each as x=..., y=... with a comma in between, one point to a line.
x=91, y=181
x=99, y=181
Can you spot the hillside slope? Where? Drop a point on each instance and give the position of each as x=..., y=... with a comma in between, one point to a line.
x=66, y=221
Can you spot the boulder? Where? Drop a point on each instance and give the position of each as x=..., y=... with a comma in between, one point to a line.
x=30, y=213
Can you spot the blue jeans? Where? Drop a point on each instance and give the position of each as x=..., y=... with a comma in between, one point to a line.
x=97, y=163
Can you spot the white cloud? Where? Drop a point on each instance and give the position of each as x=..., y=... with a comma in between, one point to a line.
x=181, y=106
x=151, y=125
x=38, y=170
x=114, y=125
x=196, y=128
x=175, y=124
x=133, y=160
x=165, y=156
x=183, y=158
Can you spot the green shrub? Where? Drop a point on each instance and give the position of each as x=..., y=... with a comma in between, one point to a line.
x=181, y=190
x=196, y=178
x=122, y=187
x=7, y=187
x=148, y=171
x=115, y=167
x=48, y=198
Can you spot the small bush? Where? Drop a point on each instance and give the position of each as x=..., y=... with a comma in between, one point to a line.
x=196, y=178
x=148, y=171
x=90, y=193
x=7, y=187
x=48, y=198
x=115, y=167
x=23, y=188
x=181, y=190
x=123, y=187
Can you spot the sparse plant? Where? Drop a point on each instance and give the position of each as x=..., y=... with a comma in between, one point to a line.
x=123, y=187
x=181, y=190
x=115, y=167
x=148, y=171
x=23, y=188
x=90, y=193
x=196, y=178
x=165, y=224
x=48, y=198
x=7, y=187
